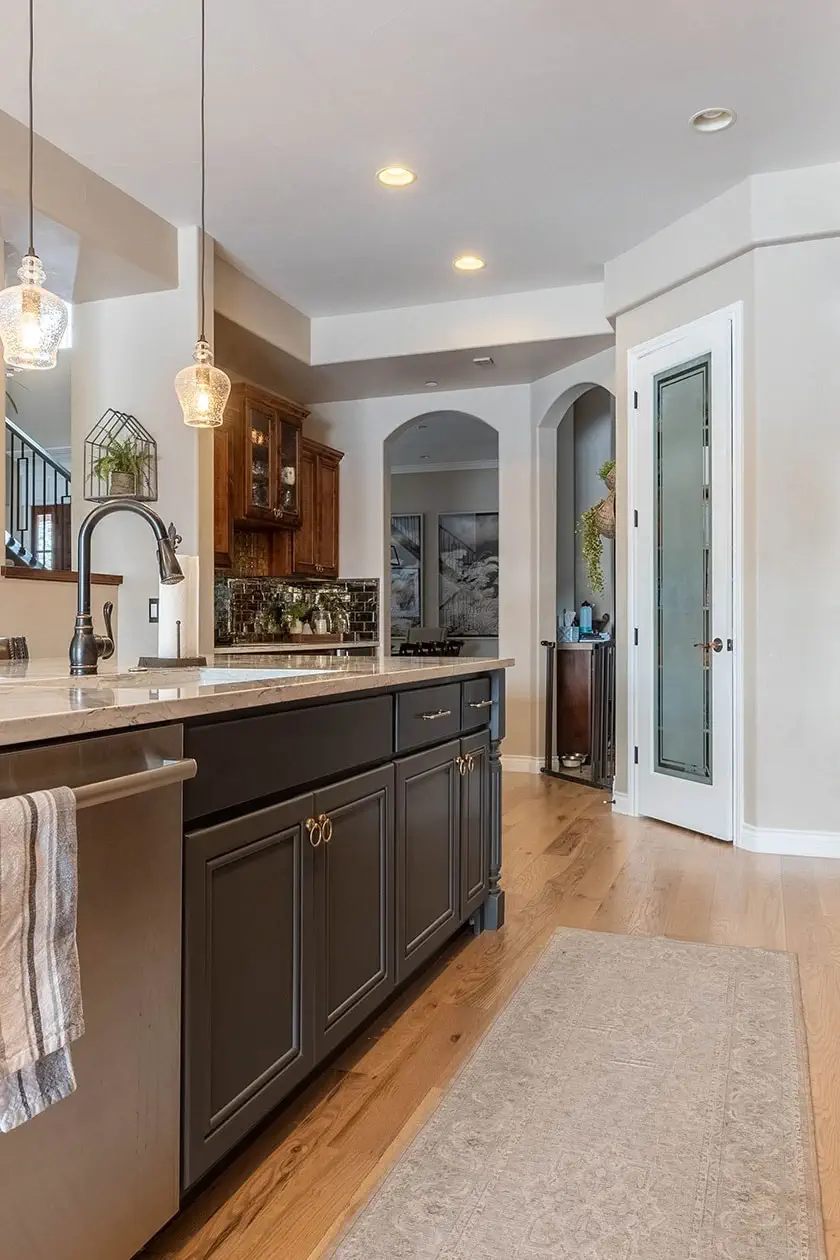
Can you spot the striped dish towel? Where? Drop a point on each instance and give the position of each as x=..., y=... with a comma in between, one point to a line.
x=40, y=997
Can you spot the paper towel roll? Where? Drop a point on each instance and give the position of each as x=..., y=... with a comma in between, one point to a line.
x=179, y=603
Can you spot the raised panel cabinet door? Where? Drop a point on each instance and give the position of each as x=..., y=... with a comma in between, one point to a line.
x=327, y=495
x=428, y=854
x=475, y=821
x=354, y=904
x=247, y=976
x=306, y=537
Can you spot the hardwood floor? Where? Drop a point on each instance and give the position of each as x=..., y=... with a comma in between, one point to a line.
x=568, y=862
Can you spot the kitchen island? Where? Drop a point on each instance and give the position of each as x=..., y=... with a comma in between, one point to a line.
x=338, y=821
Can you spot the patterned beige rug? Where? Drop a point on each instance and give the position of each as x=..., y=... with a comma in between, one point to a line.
x=638, y=1099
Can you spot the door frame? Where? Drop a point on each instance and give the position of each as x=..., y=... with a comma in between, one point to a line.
x=734, y=316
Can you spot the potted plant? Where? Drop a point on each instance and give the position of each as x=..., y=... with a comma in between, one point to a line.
x=297, y=615
x=596, y=524
x=122, y=465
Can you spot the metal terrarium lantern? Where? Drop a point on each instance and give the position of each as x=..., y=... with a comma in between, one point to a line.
x=120, y=460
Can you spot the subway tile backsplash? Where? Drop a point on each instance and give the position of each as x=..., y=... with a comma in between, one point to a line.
x=244, y=604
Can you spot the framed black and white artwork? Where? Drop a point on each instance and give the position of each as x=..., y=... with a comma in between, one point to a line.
x=468, y=560
x=406, y=574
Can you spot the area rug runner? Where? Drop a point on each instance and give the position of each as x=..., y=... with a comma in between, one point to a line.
x=638, y=1099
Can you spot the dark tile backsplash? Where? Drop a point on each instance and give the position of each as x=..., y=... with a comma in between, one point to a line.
x=242, y=604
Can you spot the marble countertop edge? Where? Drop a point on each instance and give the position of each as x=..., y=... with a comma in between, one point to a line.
x=47, y=707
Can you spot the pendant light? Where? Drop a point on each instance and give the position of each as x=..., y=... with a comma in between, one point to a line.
x=32, y=320
x=202, y=388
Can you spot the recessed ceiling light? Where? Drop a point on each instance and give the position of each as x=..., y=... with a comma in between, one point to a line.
x=425, y=457
x=422, y=426
x=715, y=119
x=469, y=262
x=396, y=176
x=484, y=360
x=431, y=384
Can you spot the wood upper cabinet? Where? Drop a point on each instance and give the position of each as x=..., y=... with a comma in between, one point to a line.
x=223, y=497
x=264, y=437
x=316, y=542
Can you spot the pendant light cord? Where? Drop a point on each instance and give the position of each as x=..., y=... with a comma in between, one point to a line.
x=32, y=126
x=203, y=165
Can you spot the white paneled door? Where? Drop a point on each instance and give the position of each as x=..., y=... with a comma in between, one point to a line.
x=682, y=416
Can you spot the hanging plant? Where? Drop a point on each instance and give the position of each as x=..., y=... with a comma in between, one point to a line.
x=596, y=524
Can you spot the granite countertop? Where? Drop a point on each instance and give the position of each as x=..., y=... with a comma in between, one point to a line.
x=39, y=701
x=298, y=649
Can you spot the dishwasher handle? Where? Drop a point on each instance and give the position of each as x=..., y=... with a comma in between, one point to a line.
x=125, y=785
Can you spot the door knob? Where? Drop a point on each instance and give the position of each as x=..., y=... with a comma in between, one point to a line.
x=716, y=645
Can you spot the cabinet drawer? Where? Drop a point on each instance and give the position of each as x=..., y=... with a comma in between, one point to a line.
x=476, y=705
x=428, y=715
x=252, y=757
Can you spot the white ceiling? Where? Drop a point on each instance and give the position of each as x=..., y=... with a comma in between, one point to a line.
x=246, y=355
x=548, y=137
x=443, y=437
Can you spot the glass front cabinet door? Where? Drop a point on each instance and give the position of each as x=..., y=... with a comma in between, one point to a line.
x=271, y=448
x=286, y=503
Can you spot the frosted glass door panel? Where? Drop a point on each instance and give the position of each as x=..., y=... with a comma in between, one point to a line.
x=682, y=571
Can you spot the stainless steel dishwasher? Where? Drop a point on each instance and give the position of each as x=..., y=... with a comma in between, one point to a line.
x=96, y=1176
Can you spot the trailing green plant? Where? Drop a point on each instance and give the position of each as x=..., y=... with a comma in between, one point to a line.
x=592, y=548
x=591, y=539
x=122, y=457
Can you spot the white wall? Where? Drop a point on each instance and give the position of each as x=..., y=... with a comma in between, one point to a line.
x=430, y=494
x=126, y=354
x=360, y=429
x=44, y=612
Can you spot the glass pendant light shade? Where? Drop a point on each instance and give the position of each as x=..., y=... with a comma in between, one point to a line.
x=32, y=320
x=203, y=390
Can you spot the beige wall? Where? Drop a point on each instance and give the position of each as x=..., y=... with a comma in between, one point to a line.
x=791, y=527
x=45, y=612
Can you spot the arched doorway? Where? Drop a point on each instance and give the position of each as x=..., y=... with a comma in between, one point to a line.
x=442, y=502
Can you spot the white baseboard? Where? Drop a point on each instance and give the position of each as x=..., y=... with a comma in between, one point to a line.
x=521, y=765
x=816, y=844
x=621, y=803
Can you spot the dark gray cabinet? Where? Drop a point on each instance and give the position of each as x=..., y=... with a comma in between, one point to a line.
x=248, y=1040
x=475, y=821
x=428, y=854
x=354, y=903
x=301, y=918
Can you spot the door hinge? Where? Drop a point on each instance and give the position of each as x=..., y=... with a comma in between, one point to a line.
x=636, y=517
x=635, y=400
x=636, y=755
x=636, y=637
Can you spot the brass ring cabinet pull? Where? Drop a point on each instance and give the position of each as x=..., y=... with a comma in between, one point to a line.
x=325, y=823
x=461, y=763
x=470, y=762
x=315, y=832
x=431, y=717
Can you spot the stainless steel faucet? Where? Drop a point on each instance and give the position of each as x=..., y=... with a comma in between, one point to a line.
x=87, y=648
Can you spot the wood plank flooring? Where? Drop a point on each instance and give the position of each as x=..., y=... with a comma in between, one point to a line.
x=567, y=862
